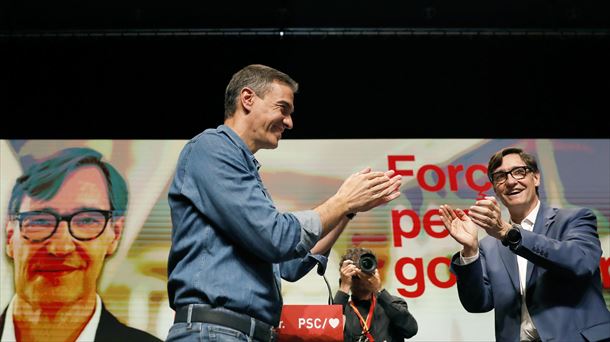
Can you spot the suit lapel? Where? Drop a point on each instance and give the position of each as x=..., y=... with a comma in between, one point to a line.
x=510, y=262
x=108, y=327
x=544, y=219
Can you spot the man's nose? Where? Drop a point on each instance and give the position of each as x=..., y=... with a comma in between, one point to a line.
x=510, y=180
x=61, y=242
x=287, y=121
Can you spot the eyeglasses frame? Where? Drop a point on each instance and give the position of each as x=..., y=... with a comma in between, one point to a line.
x=108, y=214
x=510, y=172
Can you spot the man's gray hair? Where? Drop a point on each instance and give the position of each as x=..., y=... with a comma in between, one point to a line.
x=257, y=77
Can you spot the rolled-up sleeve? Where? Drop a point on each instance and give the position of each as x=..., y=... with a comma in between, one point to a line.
x=296, y=269
x=311, y=230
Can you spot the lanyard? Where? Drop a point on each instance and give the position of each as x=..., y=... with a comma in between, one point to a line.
x=369, y=318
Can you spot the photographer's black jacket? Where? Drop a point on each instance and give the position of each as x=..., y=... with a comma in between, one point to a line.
x=392, y=320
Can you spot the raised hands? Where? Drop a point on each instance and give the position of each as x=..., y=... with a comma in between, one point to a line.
x=348, y=270
x=361, y=191
x=368, y=189
x=461, y=227
x=486, y=214
x=371, y=282
x=366, y=281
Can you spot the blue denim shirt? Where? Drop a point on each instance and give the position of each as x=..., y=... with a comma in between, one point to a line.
x=230, y=245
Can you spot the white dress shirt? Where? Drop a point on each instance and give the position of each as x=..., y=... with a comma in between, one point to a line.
x=87, y=335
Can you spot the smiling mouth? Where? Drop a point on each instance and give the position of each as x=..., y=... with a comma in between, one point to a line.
x=56, y=270
x=513, y=193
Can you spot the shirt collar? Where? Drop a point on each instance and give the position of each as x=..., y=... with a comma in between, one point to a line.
x=88, y=334
x=239, y=142
x=529, y=221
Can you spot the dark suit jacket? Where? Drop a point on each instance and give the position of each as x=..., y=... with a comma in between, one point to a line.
x=563, y=286
x=110, y=330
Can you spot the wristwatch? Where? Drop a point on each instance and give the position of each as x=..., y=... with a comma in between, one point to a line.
x=512, y=239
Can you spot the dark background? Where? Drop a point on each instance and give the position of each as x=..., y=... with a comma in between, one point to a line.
x=367, y=69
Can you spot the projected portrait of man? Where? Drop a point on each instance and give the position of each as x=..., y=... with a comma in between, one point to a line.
x=66, y=215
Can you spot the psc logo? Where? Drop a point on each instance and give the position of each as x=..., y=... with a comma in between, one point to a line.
x=317, y=323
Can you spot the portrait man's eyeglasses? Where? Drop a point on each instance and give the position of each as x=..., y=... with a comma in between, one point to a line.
x=84, y=225
x=518, y=172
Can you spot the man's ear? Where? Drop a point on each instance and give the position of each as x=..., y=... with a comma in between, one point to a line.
x=536, y=178
x=246, y=98
x=117, y=229
x=10, y=231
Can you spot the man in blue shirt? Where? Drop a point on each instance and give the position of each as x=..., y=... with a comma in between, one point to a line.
x=230, y=244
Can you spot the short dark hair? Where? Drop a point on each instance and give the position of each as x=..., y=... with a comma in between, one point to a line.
x=496, y=160
x=255, y=76
x=43, y=179
x=354, y=255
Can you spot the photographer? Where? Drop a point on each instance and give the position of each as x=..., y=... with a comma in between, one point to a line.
x=372, y=314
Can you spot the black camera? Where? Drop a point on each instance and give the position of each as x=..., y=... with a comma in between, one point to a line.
x=367, y=263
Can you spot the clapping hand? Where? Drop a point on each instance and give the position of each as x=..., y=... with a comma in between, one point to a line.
x=461, y=227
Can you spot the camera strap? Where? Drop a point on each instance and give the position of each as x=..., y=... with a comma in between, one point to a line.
x=366, y=324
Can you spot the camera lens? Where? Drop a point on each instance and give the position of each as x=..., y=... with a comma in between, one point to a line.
x=367, y=263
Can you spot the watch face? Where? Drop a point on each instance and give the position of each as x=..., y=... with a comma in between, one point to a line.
x=514, y=235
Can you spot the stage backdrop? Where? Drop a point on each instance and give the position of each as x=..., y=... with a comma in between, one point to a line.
x=413, y=247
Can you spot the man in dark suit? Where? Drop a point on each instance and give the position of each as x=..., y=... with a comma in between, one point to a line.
x=66, y=215
x=539, y=269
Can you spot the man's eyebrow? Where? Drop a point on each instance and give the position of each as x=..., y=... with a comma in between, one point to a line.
x=286, y=104
x=74, y=210
x=512, y=168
